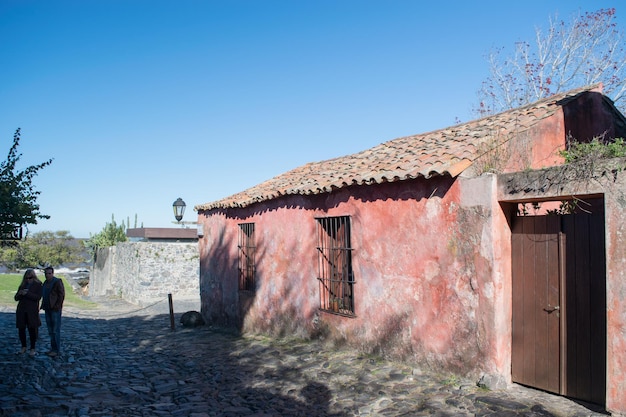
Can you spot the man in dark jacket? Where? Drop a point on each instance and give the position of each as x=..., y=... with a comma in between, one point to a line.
x=53, y=294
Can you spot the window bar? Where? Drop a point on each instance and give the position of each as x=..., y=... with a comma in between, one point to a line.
x=335, y=263
x=246, y=257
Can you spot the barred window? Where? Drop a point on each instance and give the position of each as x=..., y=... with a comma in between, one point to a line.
x=247, y=251
x=335, y=276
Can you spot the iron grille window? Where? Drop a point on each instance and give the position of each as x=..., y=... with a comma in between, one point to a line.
x=335, y=274
x=247, y=251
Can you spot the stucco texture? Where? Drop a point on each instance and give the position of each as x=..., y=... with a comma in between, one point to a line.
x=431, y=245
x=422, y=263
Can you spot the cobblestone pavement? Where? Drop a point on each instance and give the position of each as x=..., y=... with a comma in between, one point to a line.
x=120, y=362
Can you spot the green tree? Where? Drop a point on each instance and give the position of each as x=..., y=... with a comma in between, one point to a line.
x=48, y=248
x=42, y=249
x=585, y=50
x=110, y=234
x=18, y=198
x=9, y=256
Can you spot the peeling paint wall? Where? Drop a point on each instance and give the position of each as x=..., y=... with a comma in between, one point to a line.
x=616, y=301
x=423, y=264
x=431, y=260
x=432, y=268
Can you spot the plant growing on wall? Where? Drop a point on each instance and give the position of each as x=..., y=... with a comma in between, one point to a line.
x=594, y=151
x=584, y=161
x=111, y=234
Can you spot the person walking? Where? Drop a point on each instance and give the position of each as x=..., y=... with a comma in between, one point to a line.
x=27, y=313
x=53, y=294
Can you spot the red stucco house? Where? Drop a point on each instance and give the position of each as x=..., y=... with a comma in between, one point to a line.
x=415, y=249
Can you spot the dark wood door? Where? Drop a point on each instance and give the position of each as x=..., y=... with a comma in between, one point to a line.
x=585, y=299
x=536, y=346
x=559, y=303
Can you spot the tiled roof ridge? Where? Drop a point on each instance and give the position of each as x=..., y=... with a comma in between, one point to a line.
x=447, y=151
x=553, y=99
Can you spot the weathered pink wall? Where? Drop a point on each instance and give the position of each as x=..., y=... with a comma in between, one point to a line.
x=616, y=297
x=423, y=263
x=431, y=261
x=552, y=138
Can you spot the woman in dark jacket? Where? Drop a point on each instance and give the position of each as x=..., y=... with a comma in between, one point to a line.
x=27, y=315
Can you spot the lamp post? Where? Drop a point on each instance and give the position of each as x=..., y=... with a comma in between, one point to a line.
x=179, y=209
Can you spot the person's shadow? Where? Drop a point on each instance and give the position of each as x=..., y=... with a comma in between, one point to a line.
x=318, y=398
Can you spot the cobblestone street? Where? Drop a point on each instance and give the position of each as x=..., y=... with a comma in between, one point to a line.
x=119, y=362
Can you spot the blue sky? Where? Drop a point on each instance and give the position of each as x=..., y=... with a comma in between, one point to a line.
x=141, y=102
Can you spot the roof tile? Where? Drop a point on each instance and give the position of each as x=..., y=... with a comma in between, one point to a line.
x=448, y=151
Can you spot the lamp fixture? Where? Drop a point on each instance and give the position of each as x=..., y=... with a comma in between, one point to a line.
x=179, y=209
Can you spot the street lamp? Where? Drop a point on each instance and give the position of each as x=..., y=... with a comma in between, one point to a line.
x=179, y=209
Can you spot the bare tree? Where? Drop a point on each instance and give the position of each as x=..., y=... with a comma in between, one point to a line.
x=586, y=50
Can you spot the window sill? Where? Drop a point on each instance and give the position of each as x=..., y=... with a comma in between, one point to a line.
x=342, y=313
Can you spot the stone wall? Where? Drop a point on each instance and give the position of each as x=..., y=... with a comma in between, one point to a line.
x=145, y=272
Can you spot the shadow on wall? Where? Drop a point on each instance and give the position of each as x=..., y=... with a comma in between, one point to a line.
x=289, y=306
x=100, y=257
x=225, y=305
x=287, y=302
x=439, y=322
x=415, y=189
x=213, y=279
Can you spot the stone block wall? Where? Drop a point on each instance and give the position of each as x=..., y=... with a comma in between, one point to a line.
x=145, y=272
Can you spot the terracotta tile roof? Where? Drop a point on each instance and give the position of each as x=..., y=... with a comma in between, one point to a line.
x=447, y=151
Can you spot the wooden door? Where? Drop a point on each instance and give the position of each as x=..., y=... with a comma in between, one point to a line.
x=585, y=299
x=536, y=346
x=559, y=303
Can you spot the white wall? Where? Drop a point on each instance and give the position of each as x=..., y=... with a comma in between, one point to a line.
x=145, y=272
